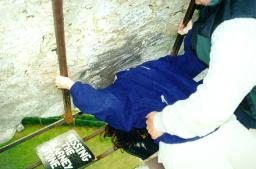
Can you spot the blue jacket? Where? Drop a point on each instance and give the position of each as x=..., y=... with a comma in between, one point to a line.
x=140, y=90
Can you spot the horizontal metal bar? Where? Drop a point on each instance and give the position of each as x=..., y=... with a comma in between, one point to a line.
x=86, y=138
x=36, y=133
x=97, y=132
x=36, y=164
x=99, y=157
x=105, y=154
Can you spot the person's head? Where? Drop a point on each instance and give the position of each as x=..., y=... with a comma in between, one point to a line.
x=202, y=2
x=136, y=142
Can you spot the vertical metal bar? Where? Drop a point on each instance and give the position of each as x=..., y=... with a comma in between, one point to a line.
x=179, y=38
x=57, y=6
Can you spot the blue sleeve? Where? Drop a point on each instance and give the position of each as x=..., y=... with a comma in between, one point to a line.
x=105, y=104
x=87, y=99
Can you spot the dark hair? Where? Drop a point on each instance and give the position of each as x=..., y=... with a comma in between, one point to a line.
x=136, y=142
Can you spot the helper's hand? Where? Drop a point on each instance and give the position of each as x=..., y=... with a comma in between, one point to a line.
x=150, y=126
x=184, y=30
x=202, y=2
x=64, y=82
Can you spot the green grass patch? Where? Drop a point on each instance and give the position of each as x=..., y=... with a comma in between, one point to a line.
x=24, y=154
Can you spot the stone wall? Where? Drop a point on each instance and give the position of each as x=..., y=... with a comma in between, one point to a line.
x=102, y=37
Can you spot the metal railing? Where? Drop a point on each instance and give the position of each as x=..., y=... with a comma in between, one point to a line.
x=61, y=51
x=98, y=157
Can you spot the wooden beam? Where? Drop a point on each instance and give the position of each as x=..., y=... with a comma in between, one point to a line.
x=57, y=6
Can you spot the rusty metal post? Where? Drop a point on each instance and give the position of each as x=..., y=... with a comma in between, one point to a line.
x=179, y=38
x=57, y=6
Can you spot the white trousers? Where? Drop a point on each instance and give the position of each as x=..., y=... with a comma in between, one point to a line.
x=232, y=146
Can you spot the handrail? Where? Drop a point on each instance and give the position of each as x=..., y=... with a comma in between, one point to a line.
x=57, y=7
x=187, y=18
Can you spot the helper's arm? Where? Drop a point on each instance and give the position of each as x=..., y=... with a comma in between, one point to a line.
x=230, y=77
